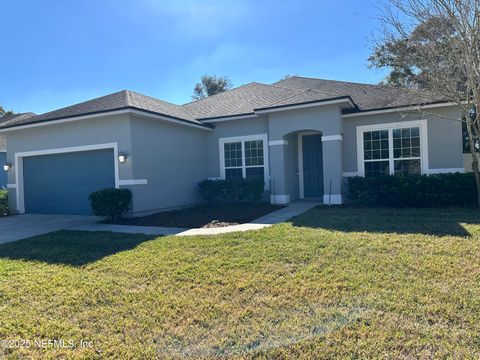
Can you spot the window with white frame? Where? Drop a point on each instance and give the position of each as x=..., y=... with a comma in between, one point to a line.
x=392, y=149
x=243, y=157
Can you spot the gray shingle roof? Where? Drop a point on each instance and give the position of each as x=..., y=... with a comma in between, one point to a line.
x=117, y=101
x=248, y=98
x=241, y=101
x=365, y=96
x=15, y=117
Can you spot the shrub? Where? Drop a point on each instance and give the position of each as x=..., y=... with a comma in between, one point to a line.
x=3, y=202
x=111, y=204
x=232, y=191
x=414, y=190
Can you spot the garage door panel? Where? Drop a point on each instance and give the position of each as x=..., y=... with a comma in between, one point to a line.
x=61, y=183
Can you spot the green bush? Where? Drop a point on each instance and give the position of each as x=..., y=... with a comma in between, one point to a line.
x=232, y=191
x=111, y=204
x=414, y=190
x=3, y=202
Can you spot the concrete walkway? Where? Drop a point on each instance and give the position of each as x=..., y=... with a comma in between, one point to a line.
x=273, y=218
x=147, y=230
x=19, y=227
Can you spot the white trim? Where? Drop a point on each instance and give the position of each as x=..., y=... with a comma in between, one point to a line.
x=333, y=199
x=279, y=199
x=398, y=109
x=11, y=186
x=228, y=118
x=133, y=182
x=108, y=113
x=303, y=106
x=350, y=174
x=445, y=171
x=422, y=124
x=301, y=185
x=242, y=139
x=20, y=195
x=332, y=138
x=277, y=142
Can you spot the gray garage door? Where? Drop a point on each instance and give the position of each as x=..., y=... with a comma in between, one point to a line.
x=61, y=183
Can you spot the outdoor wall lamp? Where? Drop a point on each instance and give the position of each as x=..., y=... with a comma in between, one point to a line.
x=122, y=158
x=7, y=166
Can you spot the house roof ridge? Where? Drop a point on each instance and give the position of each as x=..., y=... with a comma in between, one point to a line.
x=223, y=92
x=127, y=97
x=287, y=97
x=336, y=81
x=301, y=91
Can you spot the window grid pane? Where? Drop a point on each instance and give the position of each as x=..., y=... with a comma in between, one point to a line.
x=233, y=174
x=407, y=167
x=254, y=153
x=255, y=173
x=375, y=145
x=406, y=143
x=377, y=168
x=233, y=154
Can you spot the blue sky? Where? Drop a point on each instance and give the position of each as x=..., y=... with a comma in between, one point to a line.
x=59, y=52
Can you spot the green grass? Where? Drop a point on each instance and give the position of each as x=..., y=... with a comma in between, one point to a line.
x=333, y=283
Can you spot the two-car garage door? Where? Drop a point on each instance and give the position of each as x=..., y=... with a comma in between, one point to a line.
x=61, y=183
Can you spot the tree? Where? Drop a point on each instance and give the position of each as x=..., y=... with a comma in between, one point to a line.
x=3, y=112
x=210, y=85
x=435, y=45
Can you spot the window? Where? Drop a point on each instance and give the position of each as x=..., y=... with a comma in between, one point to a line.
x=233, y=160
x=375, y=152
x=244, y=157
x=254, y=161
x=391, y=149
x=406, y=151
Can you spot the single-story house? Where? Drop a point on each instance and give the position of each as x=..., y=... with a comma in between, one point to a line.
x=304, y=137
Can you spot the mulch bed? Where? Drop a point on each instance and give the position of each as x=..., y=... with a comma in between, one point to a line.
x=204, y=216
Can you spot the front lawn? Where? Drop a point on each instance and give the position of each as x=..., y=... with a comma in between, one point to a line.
x=333, y=283
x=205, y=216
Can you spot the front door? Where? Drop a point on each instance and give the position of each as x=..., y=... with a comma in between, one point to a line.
x=312, y=165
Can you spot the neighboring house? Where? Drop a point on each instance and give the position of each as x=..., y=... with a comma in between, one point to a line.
x=304, y=137
x=3, y=145
x=3, y=160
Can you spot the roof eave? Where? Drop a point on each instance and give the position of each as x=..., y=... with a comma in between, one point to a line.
x=324, y=102
x=124, y=110
x=228, y=118
x=399, y=108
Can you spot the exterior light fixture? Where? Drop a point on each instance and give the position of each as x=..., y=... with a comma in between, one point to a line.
x=7, y=166
x=122, y=158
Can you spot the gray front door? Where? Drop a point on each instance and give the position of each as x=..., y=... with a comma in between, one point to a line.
x=312, y=165
x=61, y=183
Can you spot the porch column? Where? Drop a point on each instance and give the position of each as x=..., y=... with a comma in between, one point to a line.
x=278, y=188
x=332, y=169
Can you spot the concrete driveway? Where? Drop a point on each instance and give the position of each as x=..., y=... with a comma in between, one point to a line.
x=19, y=227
